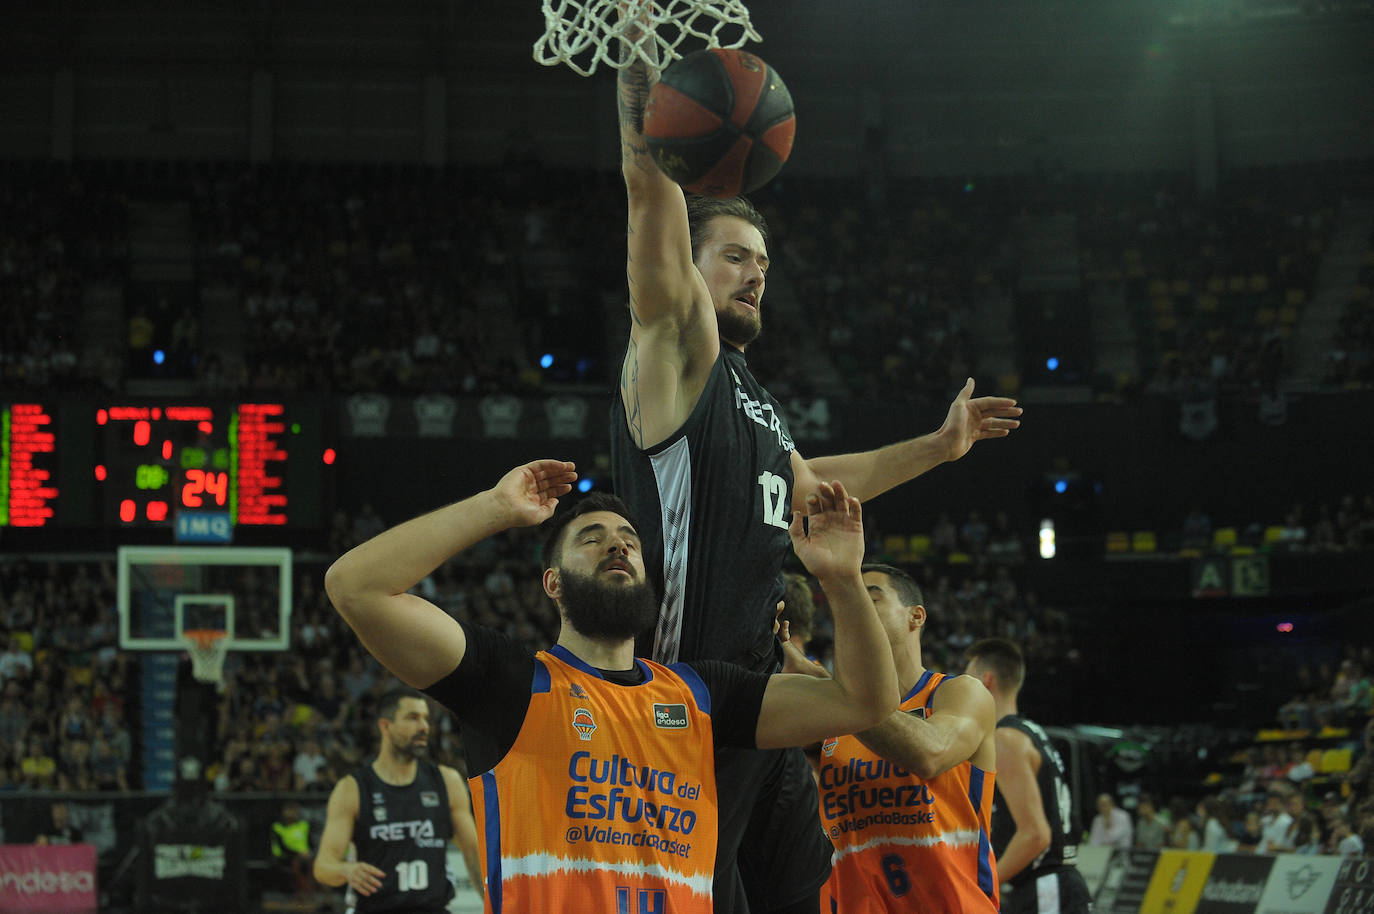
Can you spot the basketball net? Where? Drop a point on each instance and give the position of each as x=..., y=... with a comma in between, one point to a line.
x=594, y=30
x=208, y=647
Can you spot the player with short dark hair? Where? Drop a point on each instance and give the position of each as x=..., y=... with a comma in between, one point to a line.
x=703, y=455
x=399, y=812
x=594, y=772
x=907, y=803
x=1033, y=832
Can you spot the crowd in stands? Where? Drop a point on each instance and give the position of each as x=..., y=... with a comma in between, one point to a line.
x=1215, y=283
x=1346, y=524
x=1351, y=360
x=356, y=278
x=68, y=719
x=1286, y=797
x=59, y=229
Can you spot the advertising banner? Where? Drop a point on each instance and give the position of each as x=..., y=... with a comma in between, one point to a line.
x=1299, y=884
x=59, y=877
x=1176, y=885
x=1235, y=884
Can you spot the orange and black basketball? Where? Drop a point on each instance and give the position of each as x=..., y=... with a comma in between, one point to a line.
x=720, y=122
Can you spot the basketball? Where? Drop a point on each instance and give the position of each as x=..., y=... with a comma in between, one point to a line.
x=720, y=122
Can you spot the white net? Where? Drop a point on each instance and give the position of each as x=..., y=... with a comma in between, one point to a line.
x=208, y=649
x=585, y=33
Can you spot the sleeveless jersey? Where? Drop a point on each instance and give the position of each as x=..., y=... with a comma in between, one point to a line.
x=404, y=831
x=713, y=503
x=607, y=799
x=1053, y=781
x=901, y=843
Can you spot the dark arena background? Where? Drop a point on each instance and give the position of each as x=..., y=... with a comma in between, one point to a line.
x=275, y=276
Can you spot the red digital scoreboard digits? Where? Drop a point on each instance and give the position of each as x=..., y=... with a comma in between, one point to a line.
x=28, y=463
x=256, y=440
x=166, y=459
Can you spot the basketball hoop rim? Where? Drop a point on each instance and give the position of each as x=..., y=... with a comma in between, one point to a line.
x=204, y=638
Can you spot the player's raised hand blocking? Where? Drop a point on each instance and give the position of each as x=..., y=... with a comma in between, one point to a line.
x=831, y=539
x=530, y=493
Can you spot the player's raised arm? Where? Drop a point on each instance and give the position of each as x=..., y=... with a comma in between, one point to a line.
x=673, y=337
x=799, y=709
x=369, y=585
x=659, y=257
x=969, y=420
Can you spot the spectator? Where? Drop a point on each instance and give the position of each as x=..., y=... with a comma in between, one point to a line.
x=1216, y=826
x=1150, y=833
x=1343, y=841
x=108, y=765
x=14, y=717
x=1182, y=834
x=1300, y=769
x=291, y=850
x=1111, y=826
x=973, y=535
x=1361, y=775
x=58, y=828
x=38, y=767
x=15, y=662
x=308, y=763
x=1276, y=821
x=1197, y=530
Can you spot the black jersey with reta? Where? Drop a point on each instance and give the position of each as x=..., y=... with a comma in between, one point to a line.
x=404, y=831
x=1053, y=781
x=713, y=502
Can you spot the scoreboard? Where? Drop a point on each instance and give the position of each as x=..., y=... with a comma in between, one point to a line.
x=139, y=463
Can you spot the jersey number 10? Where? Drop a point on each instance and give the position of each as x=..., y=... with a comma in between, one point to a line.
x=412, y=875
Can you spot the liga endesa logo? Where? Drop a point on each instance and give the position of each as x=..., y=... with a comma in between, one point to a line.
x=46, y=882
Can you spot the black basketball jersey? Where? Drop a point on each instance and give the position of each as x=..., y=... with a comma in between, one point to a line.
x=404, y=832
x=713, y=503
x=1053, y=781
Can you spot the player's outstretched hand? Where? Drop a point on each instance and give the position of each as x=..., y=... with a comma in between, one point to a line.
x=529, y=494
x=831, y=539
x=970, y=420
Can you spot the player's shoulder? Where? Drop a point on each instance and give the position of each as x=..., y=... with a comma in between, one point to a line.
x=347, y=794
x=962, y=688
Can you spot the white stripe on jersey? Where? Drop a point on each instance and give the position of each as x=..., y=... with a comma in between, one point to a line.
x=673, y=472
x=952, y=838
x=1047, y=894
x=550, y=864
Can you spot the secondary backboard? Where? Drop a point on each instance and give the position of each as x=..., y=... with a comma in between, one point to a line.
x=165, y=590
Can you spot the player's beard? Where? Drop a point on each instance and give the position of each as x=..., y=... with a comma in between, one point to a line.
x=739, y=327
x=607, y=611
x=410, y=749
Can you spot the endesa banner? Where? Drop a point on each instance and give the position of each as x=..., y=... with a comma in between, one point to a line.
x=54, y=878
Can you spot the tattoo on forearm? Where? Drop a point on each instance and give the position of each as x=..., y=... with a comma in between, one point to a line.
x=629, y=392
x=632, y=95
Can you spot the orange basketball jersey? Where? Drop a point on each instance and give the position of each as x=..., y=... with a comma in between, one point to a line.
x=903, y=844
x=607, y=799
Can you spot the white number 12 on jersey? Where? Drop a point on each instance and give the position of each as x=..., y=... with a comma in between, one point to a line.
x=776, y=505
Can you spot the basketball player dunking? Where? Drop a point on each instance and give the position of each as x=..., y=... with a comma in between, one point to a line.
x=702, y=454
